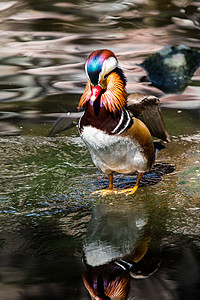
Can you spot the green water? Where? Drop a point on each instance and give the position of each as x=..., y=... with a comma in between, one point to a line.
x=49, y=215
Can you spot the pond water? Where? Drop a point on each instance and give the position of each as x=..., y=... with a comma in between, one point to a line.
x=49, y=217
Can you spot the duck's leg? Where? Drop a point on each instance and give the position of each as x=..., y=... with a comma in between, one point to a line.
x=109, y=190
x=132, y=190
x=110, y=178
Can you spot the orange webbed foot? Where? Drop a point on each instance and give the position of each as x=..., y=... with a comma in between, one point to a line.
x=108, y=191
x=132, y=190
x=129, y=191
x=111, y=190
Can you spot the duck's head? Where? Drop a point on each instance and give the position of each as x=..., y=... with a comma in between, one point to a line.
x=98, y=66
x=106, y=81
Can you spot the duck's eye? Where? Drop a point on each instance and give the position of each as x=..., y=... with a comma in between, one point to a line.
x=105, y=76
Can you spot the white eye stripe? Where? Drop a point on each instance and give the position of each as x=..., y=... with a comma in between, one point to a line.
x=86, y=70
x=108, y=65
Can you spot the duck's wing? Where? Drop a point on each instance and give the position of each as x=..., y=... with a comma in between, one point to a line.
x=146, y=108
x=65, y=122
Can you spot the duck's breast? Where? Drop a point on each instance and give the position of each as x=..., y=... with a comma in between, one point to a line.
x=114, y=152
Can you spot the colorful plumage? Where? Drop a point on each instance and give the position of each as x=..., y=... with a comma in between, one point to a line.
x=111, y=126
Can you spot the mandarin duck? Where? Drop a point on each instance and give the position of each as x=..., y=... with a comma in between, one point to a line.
x=115, y=127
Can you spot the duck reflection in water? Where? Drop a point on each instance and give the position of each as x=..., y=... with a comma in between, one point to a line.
x=107, y=282
x=112, y=280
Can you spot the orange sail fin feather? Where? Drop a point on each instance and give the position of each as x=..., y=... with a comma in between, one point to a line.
x=114, y=98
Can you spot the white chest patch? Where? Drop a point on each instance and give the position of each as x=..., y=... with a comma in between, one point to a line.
x=113, y=152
